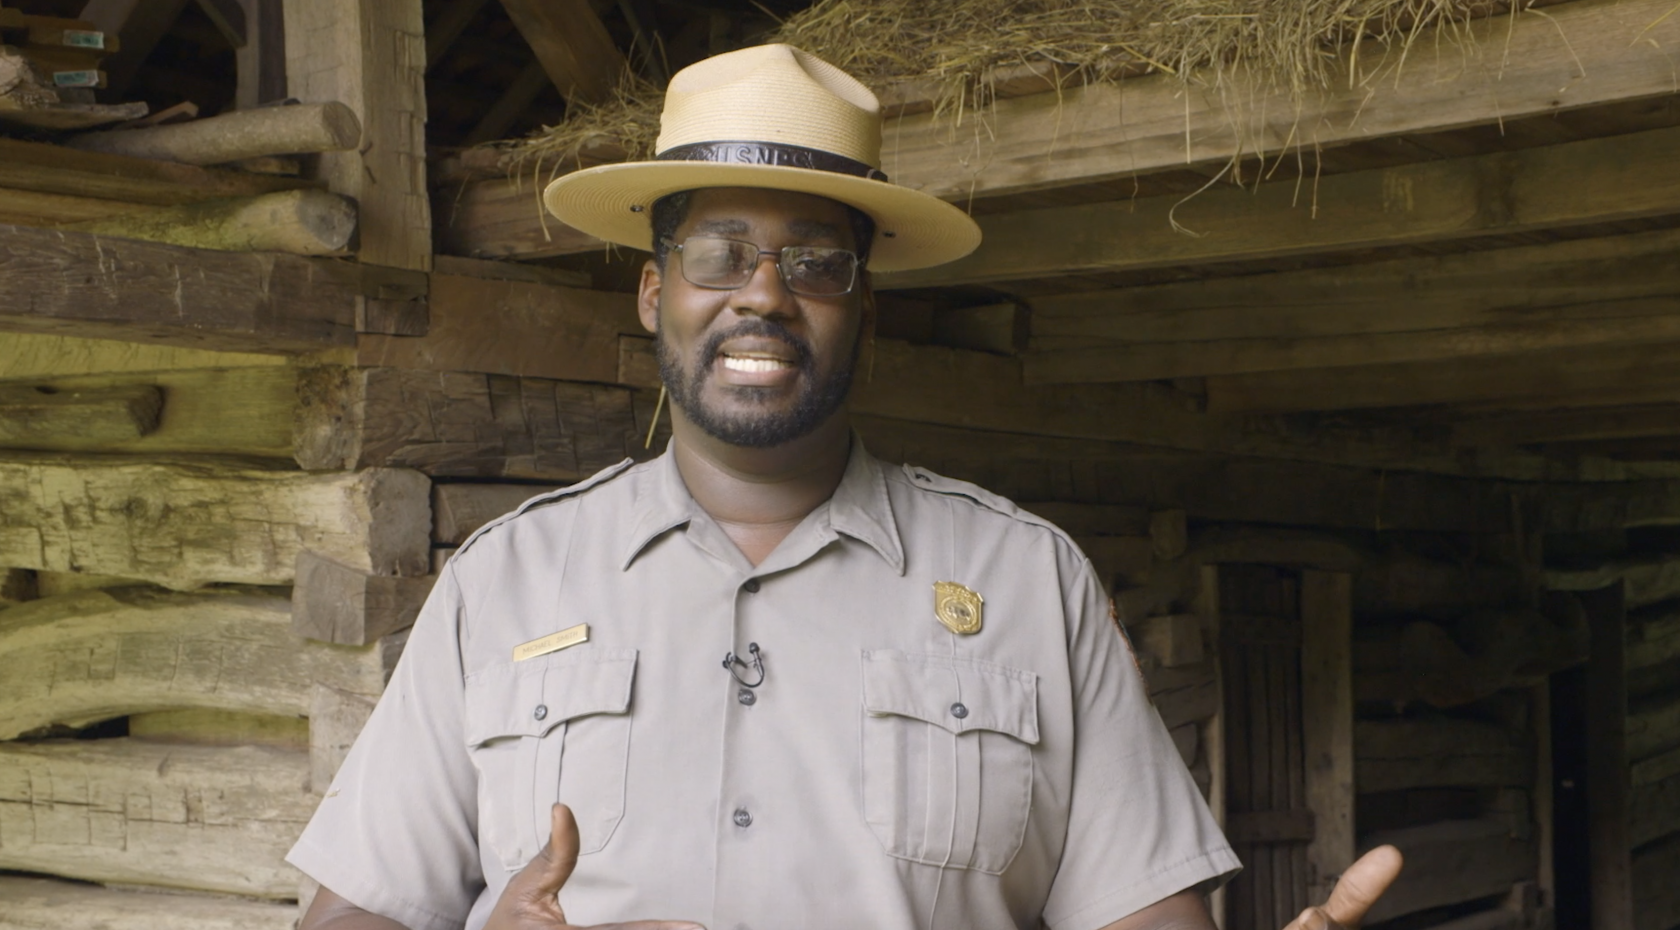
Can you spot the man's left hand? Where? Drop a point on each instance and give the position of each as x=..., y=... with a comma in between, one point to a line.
x=1358, y=888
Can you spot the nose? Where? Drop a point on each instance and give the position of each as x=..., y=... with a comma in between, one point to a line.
x=765, y=293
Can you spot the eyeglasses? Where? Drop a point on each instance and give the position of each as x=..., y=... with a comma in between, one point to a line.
x=726, y=264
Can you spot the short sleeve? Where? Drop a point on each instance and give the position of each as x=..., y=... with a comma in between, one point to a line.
x=396, y=834
x=1138, y=828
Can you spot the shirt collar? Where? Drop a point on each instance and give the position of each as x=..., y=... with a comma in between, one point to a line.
x=859, y=507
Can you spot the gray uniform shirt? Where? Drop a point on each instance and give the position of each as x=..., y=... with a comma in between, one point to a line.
x=887, y=773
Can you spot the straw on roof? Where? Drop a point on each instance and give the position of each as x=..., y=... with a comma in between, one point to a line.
x=960, y=44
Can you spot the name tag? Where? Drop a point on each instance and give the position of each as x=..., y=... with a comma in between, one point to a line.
x=553, y=642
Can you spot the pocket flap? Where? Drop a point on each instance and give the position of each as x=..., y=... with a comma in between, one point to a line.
x=929, y=688
x=532, y=697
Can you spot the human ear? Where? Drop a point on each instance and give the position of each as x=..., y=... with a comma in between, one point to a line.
x=647, y=295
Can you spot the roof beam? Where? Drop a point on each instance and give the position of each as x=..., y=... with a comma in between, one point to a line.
x=575, y=49
x=1573, y=184
x=1648, y=421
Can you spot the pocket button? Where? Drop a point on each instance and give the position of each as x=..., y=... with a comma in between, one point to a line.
x=959, y=710
x=541, y=711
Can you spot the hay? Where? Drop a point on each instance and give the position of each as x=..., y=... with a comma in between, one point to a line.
x=961, y=44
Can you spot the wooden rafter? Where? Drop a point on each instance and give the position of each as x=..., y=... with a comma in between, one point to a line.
x=574, y=48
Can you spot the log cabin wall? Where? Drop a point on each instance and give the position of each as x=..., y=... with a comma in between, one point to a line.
x=1359, y=571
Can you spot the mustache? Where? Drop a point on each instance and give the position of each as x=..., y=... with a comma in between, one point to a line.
x=754, y=326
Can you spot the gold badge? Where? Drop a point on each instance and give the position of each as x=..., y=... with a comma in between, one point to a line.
x=957, y=607
x=553, y=642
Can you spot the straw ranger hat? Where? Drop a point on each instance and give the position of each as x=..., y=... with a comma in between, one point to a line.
x=769, y=116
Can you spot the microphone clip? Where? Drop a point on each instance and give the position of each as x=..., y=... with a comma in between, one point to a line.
x=733, y=664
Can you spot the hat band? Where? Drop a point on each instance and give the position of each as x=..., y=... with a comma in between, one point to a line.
x=771, y=153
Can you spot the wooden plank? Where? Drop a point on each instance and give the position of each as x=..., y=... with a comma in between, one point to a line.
x=1450, y=862
x=336, y=718
x=1656, y=768
x=46, y=356
x=187, y=525
x=1327, y=729
x=371, y=57
x=1653, y=726
x=458, y=510
x=334, y=603
x=573, y=46
x=1656, y=894
x=92, y=286
x=45, y=904
x=1437, y=752
x=39, y=413
x=1644, y=581
x=80, y=658
x=541, y=331
x=32, y=208
x=1436, y=201
x=203, y=727
x=55, y=169
x=124, y=810
x=239, y=411
x=504, y=218
x=1611, y=736
x=1644, y=421
x=463, y=425
x=1654, y=811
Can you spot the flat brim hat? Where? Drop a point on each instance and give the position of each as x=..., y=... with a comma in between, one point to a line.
x=770, y=116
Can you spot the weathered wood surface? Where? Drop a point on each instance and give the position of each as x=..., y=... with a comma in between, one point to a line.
x=205, y=727
x=1611, y=743
x=1401, y=582
x=1647, y=581
x=1167, y=641
x=463, y=424
x=1588, y=424
x=540, y=331
x=1328, y=743
x=80, y=658
x=34, y=414
x=45, y=904
x=243, y=412
x=1482, y=653
x=183, y=525
x=124, y=810
x=1653, y=726
x=336, y=718
x=1118, y=560
x=46, y=356
x=1450, y=862
x=1654, y=811
x=1438, y=752
x=371, y=57
x=300, y=222
x=1431, y=201
x=54, y=169
x=334, y=603
x=16, y=586
x=235, y=135
x=1090, y=519
x=1656, y=895
x=90, y=285
x=458, y=510
x=575, y=49
x=1184, y=694
x=1660, y=767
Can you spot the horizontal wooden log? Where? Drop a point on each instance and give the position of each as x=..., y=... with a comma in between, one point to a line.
x=203, y=727
x=1653, y=726
x=186, y=525
x=458, y=510
x=1497, y=918
x=1660, y=767
x=1284, y=547
x=1184, y=694
x=300, y=222
x=1400, y=582
x=81, y=658
x=503, y=218
x=33, y=414
x=334, y=603
x=1437, y=752
x=1118, y=560
x=51, y=357
x=541, y=331
x=1654, y=811
x=1092, y=519
x=336, y=718
x=1168, y=641
x=55, y=169
x=1656, y=895
x=89, y=285
x=462, y=424
x=234, y=135
x=124, y=810
x=1482, y=653
x=1646, y=581
x=1451, y=862
x=45, y=904
x=1592, y=424
x=221, y=411
x=16, y=586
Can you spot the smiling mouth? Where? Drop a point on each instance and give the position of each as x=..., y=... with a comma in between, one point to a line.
x=755, y=364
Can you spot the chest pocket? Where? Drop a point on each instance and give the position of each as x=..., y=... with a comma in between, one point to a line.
x=947, y=757
x=545, y=731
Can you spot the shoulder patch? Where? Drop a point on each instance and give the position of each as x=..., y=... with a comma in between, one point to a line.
x=951, y=487
x=548, y=497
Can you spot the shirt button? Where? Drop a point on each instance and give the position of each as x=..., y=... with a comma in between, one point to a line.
x=958, y=710
x=540, y=712
x=751, y=587
x=746, y=697
x=742, y=818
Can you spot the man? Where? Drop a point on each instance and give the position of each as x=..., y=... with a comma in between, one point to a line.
x=767, y=681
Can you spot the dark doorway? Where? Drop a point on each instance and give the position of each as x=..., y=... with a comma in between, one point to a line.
x=1571, y=845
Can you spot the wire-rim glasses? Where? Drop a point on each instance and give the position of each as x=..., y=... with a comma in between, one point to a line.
x=720, y=264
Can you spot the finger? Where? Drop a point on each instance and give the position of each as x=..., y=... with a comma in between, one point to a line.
x=1362, y=884
x=1310, y=919
x=549, y=869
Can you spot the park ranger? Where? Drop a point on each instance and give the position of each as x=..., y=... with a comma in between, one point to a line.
x=767, y=681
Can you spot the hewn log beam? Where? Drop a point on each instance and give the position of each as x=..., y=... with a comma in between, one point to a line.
x=1646, y=421
x=115, y=288
x=1438, y=752
x=1656, y=895
x=55, y=169
x=229, y=137
x=575, y=50
x=1655, y=812
x=31, y=414
x=185, y=525
x=80, y=658
x=458, y=510
x=1539, y=188
x=334, y=603
x=123, y=810
x=45, y=904
x=1450, y=862
x=300, y=222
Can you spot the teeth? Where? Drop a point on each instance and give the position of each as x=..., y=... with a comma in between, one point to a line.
x=734, y=363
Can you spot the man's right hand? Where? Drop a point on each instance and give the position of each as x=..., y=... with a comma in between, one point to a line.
x=531, y=899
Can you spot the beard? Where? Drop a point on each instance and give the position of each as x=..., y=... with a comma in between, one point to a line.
x=818, y=399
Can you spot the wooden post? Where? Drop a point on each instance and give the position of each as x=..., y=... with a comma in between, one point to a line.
x=1213, y=738
x=371, y=56
x=1327, y=723
x=1607, y=764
